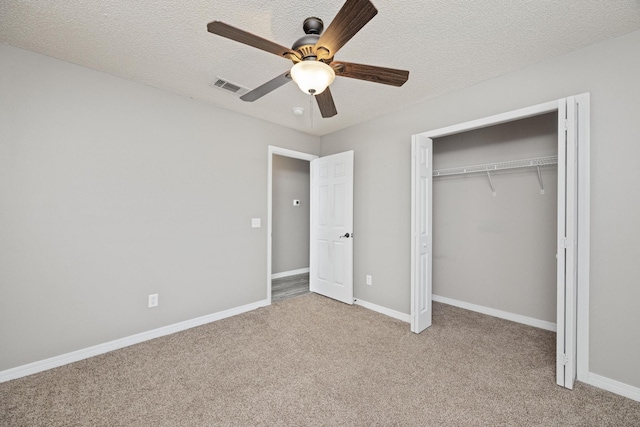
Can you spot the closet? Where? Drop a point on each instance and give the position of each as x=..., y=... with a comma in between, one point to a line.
x=495, y=218
x=498, y=260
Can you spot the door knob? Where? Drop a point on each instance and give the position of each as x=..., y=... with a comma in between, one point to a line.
x=346, y=235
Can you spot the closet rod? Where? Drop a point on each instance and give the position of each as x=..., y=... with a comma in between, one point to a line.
x=490, y=167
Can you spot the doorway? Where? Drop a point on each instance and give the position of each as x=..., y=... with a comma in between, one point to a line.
x=290, y=221
x=280, y=158
x=331, y=223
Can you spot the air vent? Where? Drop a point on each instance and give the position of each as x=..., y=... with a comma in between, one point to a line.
x=225, y=84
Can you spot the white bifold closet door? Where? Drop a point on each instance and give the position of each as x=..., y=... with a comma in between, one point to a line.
x=566, y=339
x=422, y=241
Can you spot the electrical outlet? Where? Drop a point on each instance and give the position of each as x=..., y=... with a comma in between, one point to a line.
x=153, y=300
x=369, y=280
x=255, y=222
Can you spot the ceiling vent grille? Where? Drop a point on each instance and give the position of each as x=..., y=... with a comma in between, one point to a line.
x=228, y=86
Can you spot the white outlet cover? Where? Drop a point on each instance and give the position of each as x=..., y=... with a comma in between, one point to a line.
x=255, y=222
x=153, y=300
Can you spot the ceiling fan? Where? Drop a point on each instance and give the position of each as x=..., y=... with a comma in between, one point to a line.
x=313, y=55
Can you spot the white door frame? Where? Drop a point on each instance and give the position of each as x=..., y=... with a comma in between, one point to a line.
x=581, y=319
x=285, y=153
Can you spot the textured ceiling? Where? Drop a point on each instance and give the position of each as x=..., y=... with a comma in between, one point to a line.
x=445, y=44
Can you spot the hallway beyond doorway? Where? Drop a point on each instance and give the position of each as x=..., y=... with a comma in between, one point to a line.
x=291, y=286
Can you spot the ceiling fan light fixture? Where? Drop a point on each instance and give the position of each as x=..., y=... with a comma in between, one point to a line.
x=312, y=76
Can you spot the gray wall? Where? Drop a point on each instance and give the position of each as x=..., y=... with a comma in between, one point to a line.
x=110, y=191
x=609, y=71
x=290, y=234
x=497, y=251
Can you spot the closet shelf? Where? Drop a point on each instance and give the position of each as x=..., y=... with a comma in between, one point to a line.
x=491, y=167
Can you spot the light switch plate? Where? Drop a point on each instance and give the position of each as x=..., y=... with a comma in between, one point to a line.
x=255, y=222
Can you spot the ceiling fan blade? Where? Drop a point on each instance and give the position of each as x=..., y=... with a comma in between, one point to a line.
x=233, y=33
x=269, y=86
x=349, y=20
x=325, y=104
x=370, y=73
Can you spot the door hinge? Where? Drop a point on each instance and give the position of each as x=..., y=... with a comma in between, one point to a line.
x=566, y=125
x=563, y=242
x=563, y=359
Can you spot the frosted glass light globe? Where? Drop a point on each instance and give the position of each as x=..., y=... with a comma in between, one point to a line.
x=312, y=76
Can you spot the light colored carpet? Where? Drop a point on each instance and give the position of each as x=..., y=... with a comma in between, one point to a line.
x=309, y=360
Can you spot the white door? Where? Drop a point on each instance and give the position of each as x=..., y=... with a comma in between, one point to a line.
x=421, y=240
x=331, y=251
x=566, y=338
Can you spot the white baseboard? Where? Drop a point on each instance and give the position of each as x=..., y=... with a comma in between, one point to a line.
x=542, y=324
x=289, y=273
x=595, y=380
x=386, y=311
x=74, y=356
x=613, y=386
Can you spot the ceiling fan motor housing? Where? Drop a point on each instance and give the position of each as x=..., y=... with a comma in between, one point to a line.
x=306, y=44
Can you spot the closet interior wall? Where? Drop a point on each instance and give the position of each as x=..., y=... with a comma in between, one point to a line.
x=498, y=251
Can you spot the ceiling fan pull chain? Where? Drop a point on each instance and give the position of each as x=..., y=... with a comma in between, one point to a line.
x=311, y=109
